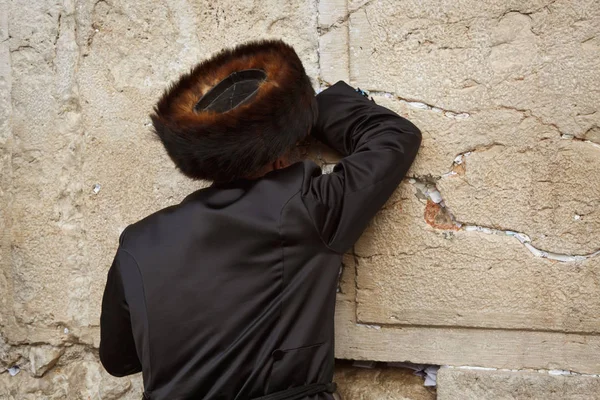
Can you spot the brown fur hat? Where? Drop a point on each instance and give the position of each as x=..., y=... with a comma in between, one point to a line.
x=224, y=146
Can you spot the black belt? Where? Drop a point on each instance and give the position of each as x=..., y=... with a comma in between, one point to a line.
x=300, y=392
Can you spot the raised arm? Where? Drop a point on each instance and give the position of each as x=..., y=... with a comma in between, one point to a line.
x=379, y=146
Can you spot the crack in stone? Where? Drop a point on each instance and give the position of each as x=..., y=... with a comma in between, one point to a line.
x=342, y=20
x=58, y=29
x=541, y=371
x=21, y=47
x=430, y=191
x=356, y=261
x=453, y=114
x=567, y=136
x=527, y=113
x=319, y=80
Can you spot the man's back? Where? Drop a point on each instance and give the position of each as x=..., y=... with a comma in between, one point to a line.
x=231, y=294
x=207, y=283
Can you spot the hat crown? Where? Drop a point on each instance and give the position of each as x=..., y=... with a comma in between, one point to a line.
x=239, y=88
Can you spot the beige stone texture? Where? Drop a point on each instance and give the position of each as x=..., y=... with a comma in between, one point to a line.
x=487, y=254
x=441, y=345
x=478, y=384
x=380, y=383
x=77, y=375
x=429, y=277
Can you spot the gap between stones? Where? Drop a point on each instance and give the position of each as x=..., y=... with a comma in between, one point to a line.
x=321, y=30
x=453, y=114
x=555, y=372
x=427, y=189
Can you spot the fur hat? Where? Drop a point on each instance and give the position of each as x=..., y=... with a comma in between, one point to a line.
x=236, y=112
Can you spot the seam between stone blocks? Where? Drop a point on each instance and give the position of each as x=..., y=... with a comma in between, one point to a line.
x=553, y=372
x=433, y=194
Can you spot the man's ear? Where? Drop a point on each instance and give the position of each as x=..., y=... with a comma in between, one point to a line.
x=278, y=164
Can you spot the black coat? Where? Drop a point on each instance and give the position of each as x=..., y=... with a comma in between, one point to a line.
x=231, y=294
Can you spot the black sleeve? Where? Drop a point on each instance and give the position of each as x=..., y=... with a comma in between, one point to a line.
x=117, y=347
x=379, y=146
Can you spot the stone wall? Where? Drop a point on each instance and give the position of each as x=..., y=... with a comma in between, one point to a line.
x=486, y=255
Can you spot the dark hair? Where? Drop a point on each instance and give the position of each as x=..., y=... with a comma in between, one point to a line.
x=224, y=146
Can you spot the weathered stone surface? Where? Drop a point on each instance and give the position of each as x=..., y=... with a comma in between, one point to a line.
x=79, y=378
x=380, y=383
x=551, y=191
x=5, y=168
x=512, y=85
x=42, y=358
x=333, y=40
x=469, y=56
x=506, y=94
x=477, y=384
x=503, y=348
x=412, y=273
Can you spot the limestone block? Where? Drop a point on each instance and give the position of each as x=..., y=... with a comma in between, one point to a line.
x=47, y=240
x=550, y=191
x=333, y=40
x=333, y=54
x=381, y=383
x=332, y=12
x=506, y=80
x=469, y=56
x=454, y=383
x=412, y=273
x=498, y=348
x=507, y=170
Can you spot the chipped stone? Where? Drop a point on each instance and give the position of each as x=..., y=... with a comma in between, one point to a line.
x=43, y=358
x=435, y=196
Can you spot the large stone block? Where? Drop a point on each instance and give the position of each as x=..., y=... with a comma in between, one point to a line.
x=469, y=56
x=506, y=182
x=468, y=384
x=551, y=191
x=410, y=272
x=498, y=348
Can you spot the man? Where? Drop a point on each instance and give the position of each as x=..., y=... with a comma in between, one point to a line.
x=231, y=294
